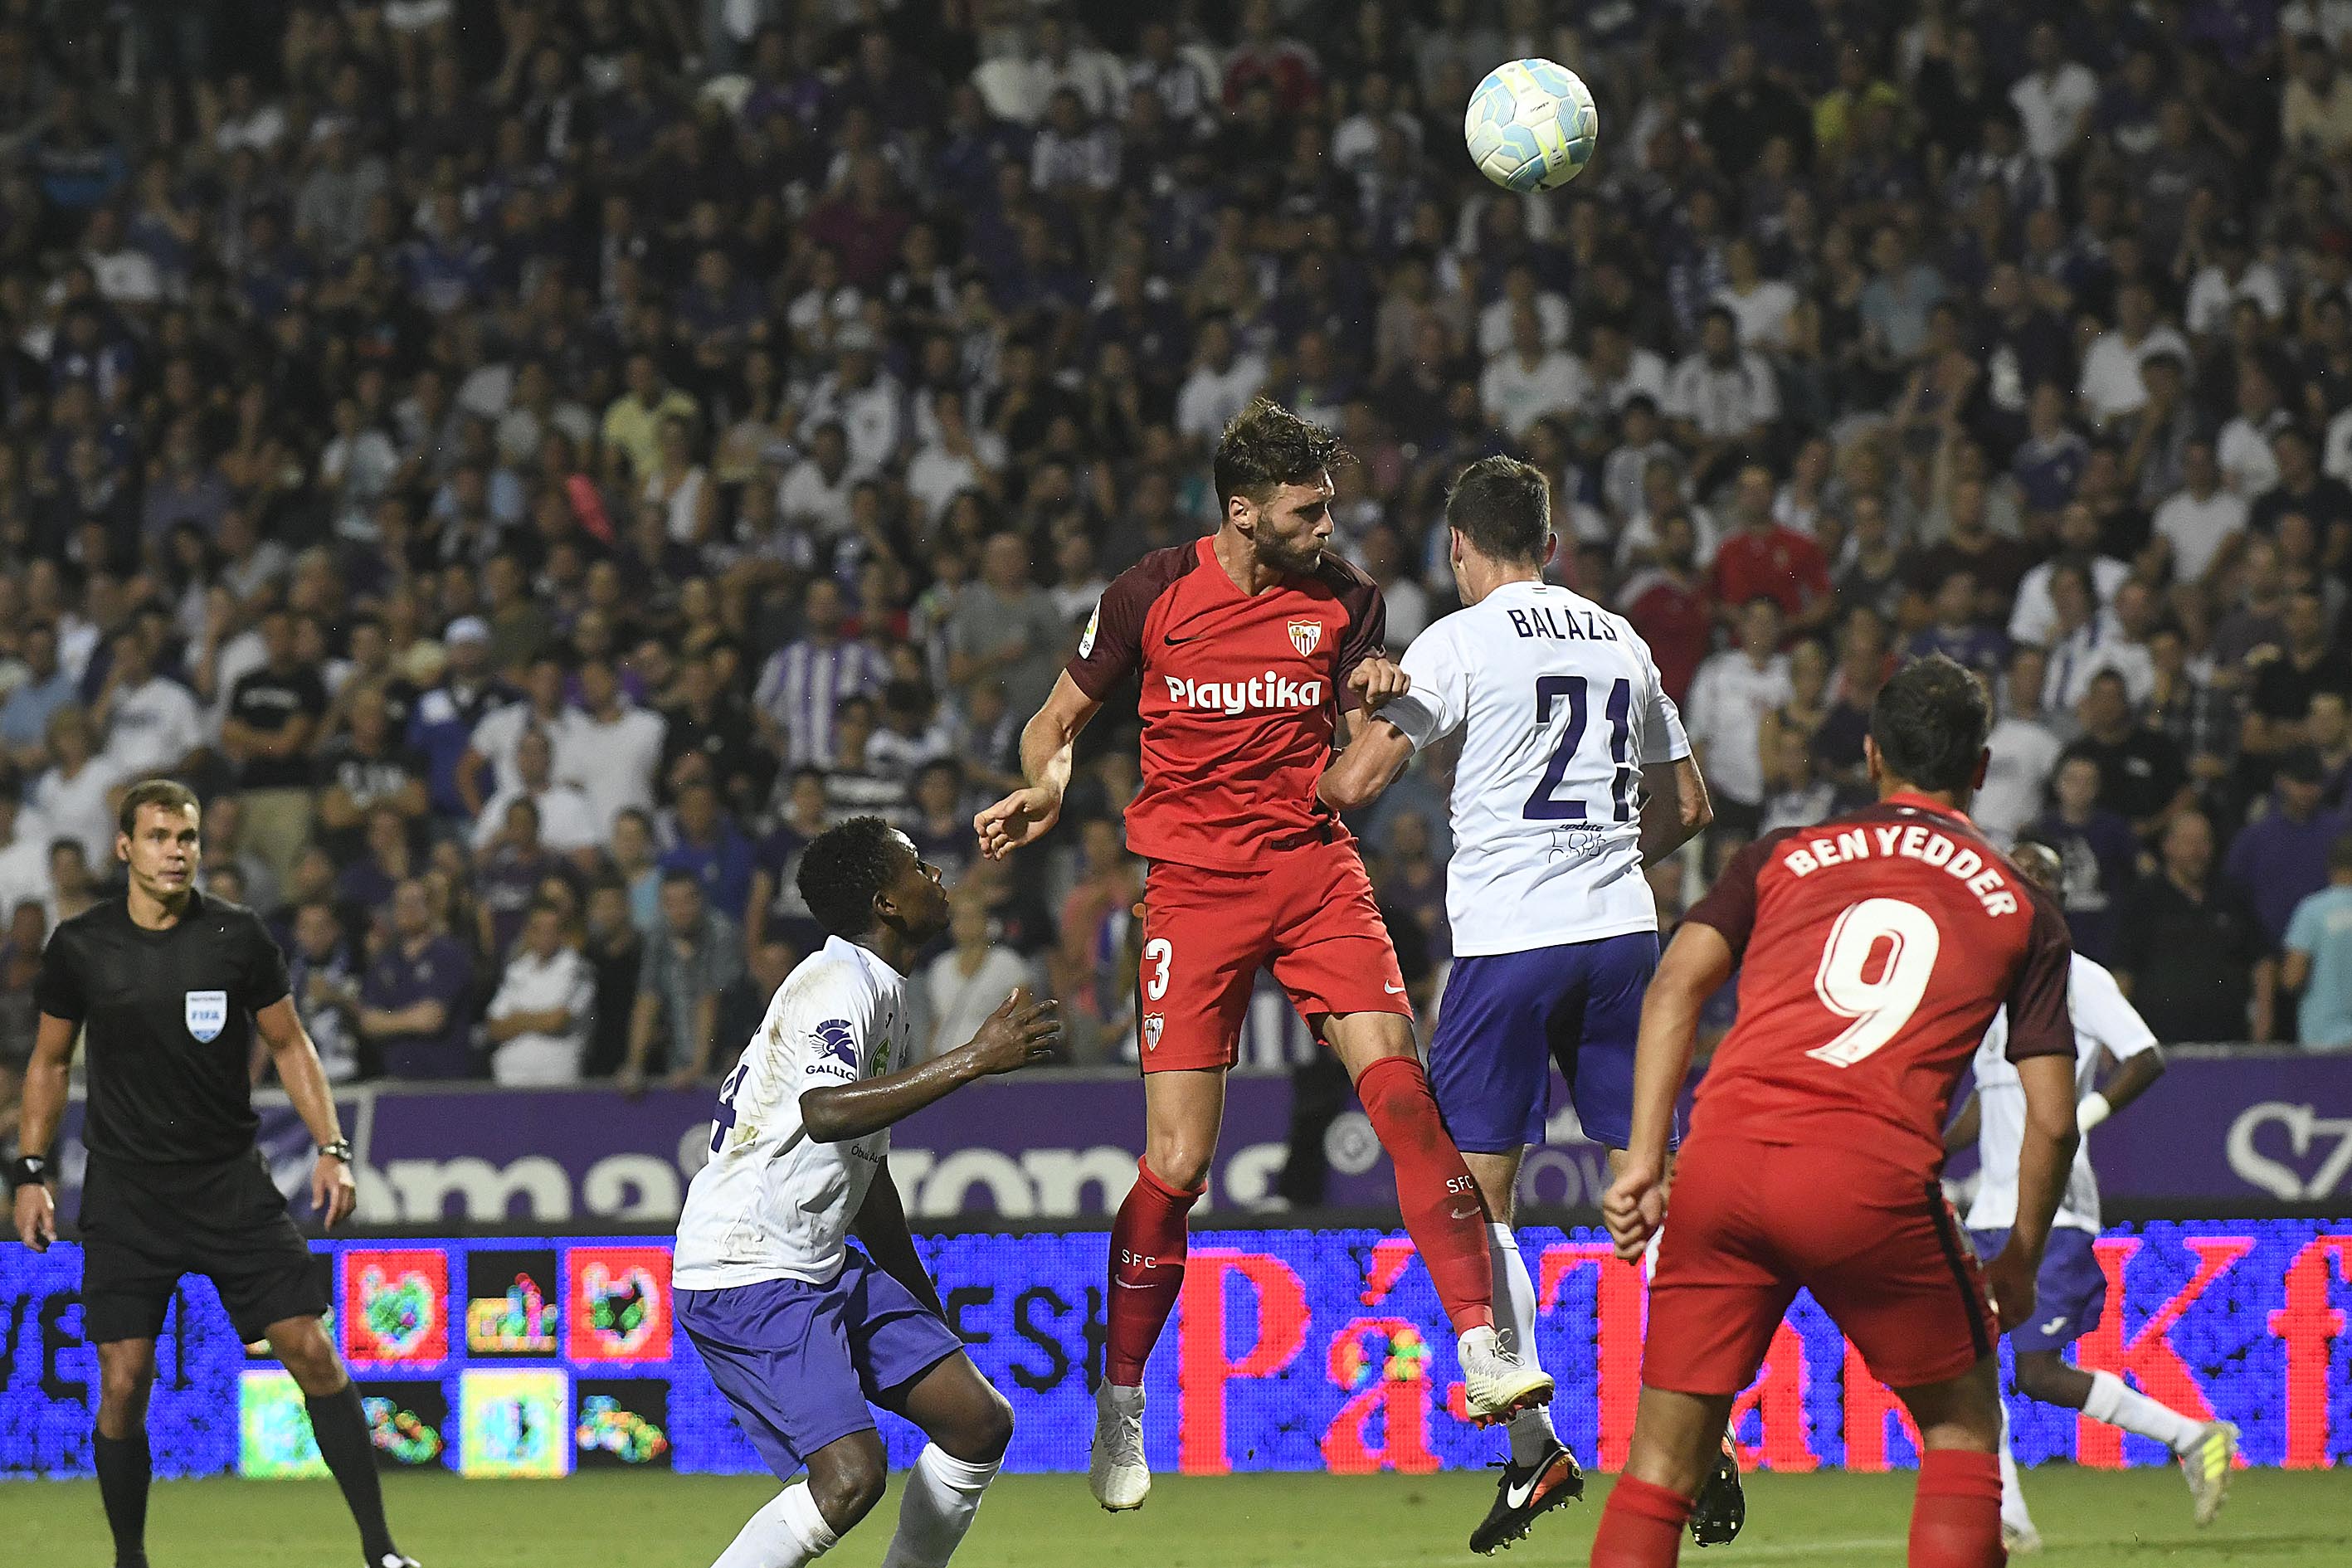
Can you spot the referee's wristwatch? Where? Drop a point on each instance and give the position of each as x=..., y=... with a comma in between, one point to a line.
x=27, y=1171
x=341, y=1149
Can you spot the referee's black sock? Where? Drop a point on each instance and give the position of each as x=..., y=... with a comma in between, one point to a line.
x=123, y=1472
x=339, y=1424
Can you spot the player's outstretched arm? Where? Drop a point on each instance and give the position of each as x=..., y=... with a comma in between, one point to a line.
x=1019, y=1034
x=881, y=1227
x=1370, y=764
x=1696, y=962
x=1025, y=816
x=2043, y=1162
x=45, y=1105
x=332, y=1190
x=1675, y=808
x=2127, y=1083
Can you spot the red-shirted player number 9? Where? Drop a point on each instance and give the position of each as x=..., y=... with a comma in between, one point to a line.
x=1881, y=1004
x=1158, y=952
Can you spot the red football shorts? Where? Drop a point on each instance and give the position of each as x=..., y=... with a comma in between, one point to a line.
x=1748, y=1223
x=1307, y=915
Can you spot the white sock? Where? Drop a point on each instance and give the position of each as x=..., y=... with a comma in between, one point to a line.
x=2117, y=1403
x=1515, y=1322
x=787, y=1533
x=942, y=1494
x=2013, y=1495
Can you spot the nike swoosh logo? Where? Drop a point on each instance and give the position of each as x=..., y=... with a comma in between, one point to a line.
x=1131, y=1284
x=1517, y=1497
x=1464, y=1213
x=1392, y=990
x=2054, y=1325
x=1172, y=640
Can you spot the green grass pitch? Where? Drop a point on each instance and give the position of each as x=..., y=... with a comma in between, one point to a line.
x=2088, y=1519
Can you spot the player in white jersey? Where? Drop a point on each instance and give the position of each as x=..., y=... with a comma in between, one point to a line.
x=799, y=1329
x=2071, y=1290
x=1575, y=775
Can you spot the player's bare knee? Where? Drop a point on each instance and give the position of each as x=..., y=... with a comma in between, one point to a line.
x=846, y=1484
x=1180, y=1162
x=124, y=1380
x=982, y=1434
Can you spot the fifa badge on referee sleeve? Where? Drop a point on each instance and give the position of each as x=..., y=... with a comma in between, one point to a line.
x=207, y=1015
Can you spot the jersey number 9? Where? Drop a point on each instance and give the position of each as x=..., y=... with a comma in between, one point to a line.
x=1879, y=1007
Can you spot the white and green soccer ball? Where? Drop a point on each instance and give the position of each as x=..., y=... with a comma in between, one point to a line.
x=1531, y=125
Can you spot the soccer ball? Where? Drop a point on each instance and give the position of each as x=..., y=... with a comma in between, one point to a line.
x=1531, y=125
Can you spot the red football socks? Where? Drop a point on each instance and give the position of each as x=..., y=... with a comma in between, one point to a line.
x=1956, y=1516
x=1434, y=1192
x=1147, y=1270
x=1642, y=1527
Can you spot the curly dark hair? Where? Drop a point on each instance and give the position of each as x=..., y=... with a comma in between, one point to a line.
x=1266, y=445
x=843, y=868
x=1930, y=721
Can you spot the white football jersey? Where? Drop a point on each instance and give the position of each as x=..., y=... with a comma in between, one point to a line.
x=1564, y=708
x=2103, y=1019
x=774, y=1204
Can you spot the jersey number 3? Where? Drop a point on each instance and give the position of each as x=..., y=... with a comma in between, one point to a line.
x=1549, y=689
x=1879, y=986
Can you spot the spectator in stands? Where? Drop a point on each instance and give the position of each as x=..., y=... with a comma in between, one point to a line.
x=413, y=1001
x=149, y=723
x=2142, y=776
x=2025, y=749
x=1764, y=557
x=540, y=1018
x=972, y=979
x=272, y=718
x=71, y=796
x=2317, y=962
x=366, y=767
x=2097, y=852
x=43, y=686
x=1005, y=627
x=2307, y=662
x=807, y=679
x=1729, y=699
x=704, y=842
x=324, y=980
x=690, y=960
x=566, y=818
x=2279, y=858
x=2192, y=953
x=612, y=746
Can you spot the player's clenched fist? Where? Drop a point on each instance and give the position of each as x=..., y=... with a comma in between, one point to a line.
x=1021, y=817
x=1634, y=1207
x=1379, y=682
x=1020, y=1034
x=36, y=1216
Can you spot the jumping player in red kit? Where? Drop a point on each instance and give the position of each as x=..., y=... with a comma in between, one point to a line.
x=1873, y=951
x=1249, y=643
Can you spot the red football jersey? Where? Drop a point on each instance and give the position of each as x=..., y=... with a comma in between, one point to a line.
x=1782, y=564
x=1241, y=698
x=1874, y=951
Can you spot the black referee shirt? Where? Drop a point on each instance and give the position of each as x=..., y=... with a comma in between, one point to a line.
x=170, y=1025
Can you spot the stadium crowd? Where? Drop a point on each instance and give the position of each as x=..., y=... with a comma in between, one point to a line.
x=533, y=464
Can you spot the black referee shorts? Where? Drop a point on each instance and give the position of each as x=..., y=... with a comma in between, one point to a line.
x=143, y=1226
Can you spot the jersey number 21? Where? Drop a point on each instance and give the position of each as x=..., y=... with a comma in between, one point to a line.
x=1543, y=806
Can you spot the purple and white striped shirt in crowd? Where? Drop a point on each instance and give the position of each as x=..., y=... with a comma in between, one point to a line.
x=804, y=681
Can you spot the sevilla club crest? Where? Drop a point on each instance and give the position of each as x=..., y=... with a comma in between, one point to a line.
x=1306, y=636
x=1152, y=1023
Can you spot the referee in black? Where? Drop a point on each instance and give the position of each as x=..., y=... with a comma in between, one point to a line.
x=169, y=986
